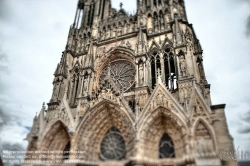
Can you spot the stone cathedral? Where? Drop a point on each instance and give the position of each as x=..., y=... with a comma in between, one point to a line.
x=131, y=90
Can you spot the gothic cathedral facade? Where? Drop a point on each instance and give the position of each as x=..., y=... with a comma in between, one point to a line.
x=130, y=89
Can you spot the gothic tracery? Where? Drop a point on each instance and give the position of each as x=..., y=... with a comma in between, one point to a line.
x=131, y=88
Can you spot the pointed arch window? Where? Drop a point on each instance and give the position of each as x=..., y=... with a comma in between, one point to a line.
x=155, y=65
x=112, y=145
x=159, y=2
x=91, y=14
x=166, y=147
x=156, y=25
x=155, y=2
x=162, y=22
x=170, y=68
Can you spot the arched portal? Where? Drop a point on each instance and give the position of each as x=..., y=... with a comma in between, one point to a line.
x=56, y=139
x=105, y=120
x=162, y=135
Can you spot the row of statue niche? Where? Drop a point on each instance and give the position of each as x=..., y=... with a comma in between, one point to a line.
x=82, y=44
x=109, y=33
x=159, y=22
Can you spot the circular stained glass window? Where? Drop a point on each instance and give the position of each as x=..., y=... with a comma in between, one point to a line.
x=113, y=145
x=121, y=72
x=166, y=147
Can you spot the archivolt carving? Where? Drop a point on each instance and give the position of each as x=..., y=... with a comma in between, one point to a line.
x=56, y=138
x=161, y=121
x=95, y=125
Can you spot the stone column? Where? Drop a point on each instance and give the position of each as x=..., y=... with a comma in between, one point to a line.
x=81, y=92
x=87, y=90
x=162, y=67
x=144, y=70
x=137, y=74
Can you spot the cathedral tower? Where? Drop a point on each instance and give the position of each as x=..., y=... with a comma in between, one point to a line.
x=132, y=90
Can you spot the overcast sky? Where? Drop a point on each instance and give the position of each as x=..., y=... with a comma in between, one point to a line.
x=33, y=34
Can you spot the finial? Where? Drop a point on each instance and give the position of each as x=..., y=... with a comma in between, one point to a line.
x=43, y=107
x=121, y=4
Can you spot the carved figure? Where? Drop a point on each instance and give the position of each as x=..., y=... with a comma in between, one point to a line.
x=183, y=66
x=141, y=74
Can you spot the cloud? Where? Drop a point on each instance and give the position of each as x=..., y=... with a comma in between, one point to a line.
x=248, y=27
x=3, y=62
x=245, y=127
x=4, y=70
x=7, y=118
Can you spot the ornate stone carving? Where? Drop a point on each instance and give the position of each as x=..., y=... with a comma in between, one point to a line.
x=160, y=100
x=204, y=142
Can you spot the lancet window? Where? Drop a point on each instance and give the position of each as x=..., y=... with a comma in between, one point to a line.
x=155, y=65
x=170, y=68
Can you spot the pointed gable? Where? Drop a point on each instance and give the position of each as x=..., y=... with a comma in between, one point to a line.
x=161, y=97
x=198, y=107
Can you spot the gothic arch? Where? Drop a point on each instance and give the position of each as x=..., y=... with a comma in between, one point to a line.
x=56, y=137
x=170, y=66
x=210, y=131
x=155, y=64
x=152, y=128
x=154, y=46
x=95, y=124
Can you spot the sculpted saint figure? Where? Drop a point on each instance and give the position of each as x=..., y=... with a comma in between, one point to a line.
x=141, y=74
x=183, y=66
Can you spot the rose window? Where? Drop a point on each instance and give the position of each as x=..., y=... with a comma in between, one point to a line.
x=166, y=147
x=113, y=145
x=122, y=73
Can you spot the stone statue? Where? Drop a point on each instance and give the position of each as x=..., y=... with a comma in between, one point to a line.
x=189, y=44
x=183, y=67
x=108, y=34
x=128, y=44
x=141, y=74
x=85, y=85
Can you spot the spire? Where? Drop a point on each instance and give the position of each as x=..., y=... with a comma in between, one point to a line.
x=61, y=69
x=41, y=118
x=121, y=4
